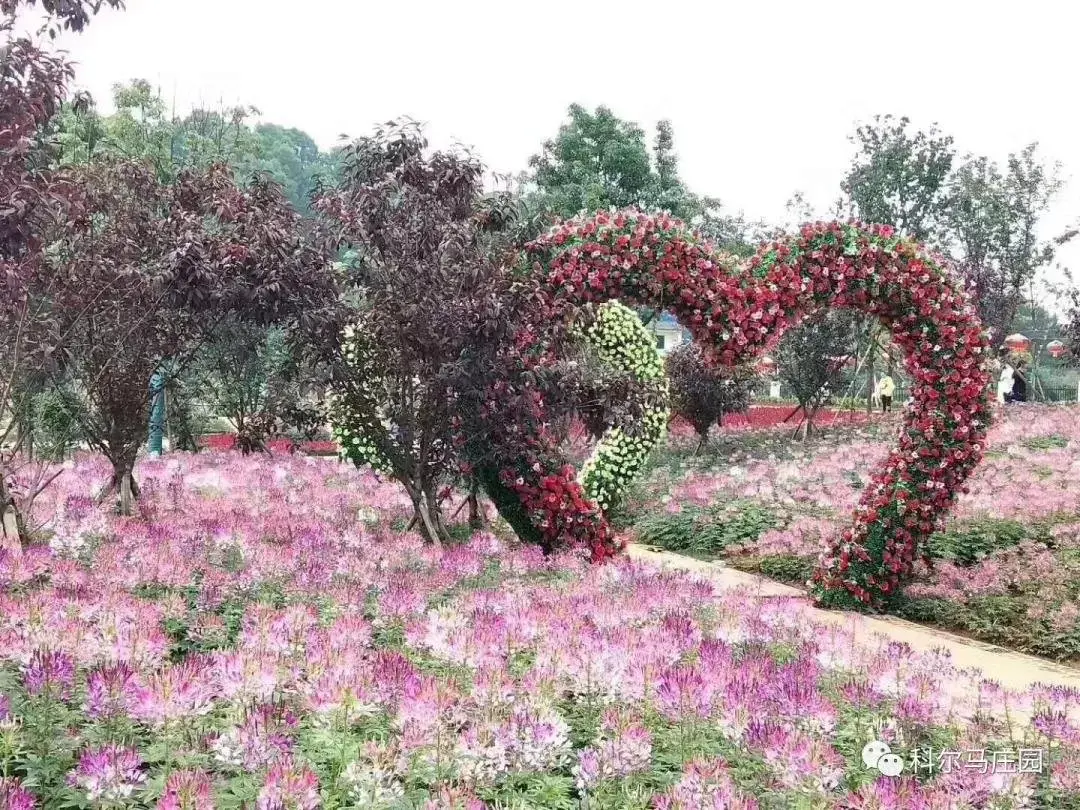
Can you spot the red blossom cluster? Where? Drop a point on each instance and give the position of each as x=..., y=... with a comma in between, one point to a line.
x=566, y=516
x=738, y=312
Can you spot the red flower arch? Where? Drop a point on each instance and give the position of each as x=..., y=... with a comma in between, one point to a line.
x=738, y=311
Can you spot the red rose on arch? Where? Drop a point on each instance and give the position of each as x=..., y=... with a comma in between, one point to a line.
x=739, y=312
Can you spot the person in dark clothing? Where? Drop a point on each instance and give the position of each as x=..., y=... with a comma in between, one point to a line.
x=1019, y=388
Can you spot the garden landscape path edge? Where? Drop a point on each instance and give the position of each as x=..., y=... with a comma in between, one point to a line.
x=1011, y=669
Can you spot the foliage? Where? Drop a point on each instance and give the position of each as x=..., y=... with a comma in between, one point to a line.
x=786, y=568
x=994, y=223
x=56, y=422
x=701, y=392
x=1001, y=620
x=899, y=177
x=705, y=532
x=968, y=543
x=811, y=360
x=32, y=86
x=622, y=342
x=427, y=293
x=188, y=415
x=1046, y=442
x=71, y=15
x=142, y=128
x=599, y=161
x=292, y=158
x=253, y=375
x=175, y=260
x=986, y=219
x=736, y=312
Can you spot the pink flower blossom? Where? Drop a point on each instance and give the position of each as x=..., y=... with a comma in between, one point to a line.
x=109, y=774
x=174, y=692
x=187, y=790
x=13, y=796
x=50, y=673
x=289, y=786
x=110, y=691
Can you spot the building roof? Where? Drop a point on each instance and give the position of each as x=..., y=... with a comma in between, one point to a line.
x=667, y=322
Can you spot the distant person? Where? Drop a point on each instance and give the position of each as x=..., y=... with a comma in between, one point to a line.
x=886, y=387
x=1005, y=380
x=1019, y=386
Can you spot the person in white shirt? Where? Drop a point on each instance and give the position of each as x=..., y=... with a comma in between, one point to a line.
x=1005, y=380
x=886, y=387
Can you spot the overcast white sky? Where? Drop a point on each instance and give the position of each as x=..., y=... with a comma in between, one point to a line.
x=762, y=95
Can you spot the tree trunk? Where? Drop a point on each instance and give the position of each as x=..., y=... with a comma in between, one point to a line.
x=168, y=424
x=11, y=523
x=126, y=496
x=25, y=429
x=427, y=517
x=701, y=445
x=434, y=511
x=810, y=422
x=476, y=517
x=122, y=482
x=9, y=516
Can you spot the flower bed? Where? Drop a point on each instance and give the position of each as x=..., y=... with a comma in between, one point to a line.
x=763, y=417
x=248, y=641
x=1006, y=570
x=280, y=444
x=759, y=417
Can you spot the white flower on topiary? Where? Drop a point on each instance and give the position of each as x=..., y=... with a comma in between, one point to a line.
x=621, y=341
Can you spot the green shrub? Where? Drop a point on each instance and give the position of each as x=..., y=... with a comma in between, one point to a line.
x=969, y=542
x=787, y=567
x=56, y=422
x=1000, y=620
x=1002, y=617
x=706, y=532
x=1052, y=442
x=941, y=612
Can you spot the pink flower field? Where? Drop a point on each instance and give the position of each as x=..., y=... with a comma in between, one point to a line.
x=1007, y=568
x=264, y=635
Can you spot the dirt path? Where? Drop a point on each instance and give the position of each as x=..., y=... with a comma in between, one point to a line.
x=1011, y=669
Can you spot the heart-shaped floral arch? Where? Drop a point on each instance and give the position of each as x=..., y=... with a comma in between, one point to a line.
x=738, y=311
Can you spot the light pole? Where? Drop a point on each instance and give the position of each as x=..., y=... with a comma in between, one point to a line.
x=157, y=412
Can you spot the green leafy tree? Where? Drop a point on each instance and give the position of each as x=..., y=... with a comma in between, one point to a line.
x=985, y=217
x=702, y=392
x=811, y=360
x=899, y=176
x=596, y=161
x=599, y=161
x=427, y=289
x=253, y=375
x=292, y=158
x=993, y=221
x=145, y=128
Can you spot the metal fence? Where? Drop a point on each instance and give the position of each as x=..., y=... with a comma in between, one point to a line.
x=1038, y=392
x=1056, y=394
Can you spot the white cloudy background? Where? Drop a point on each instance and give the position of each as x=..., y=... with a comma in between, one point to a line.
x=762, y=95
